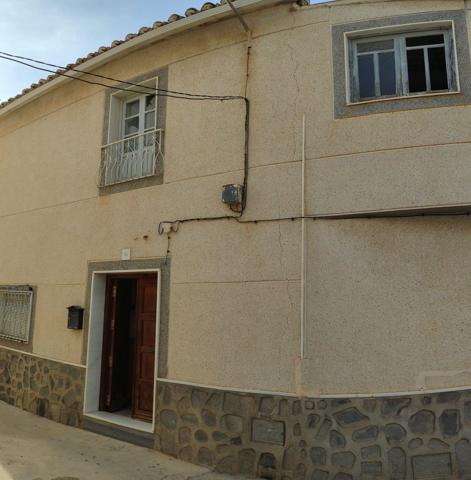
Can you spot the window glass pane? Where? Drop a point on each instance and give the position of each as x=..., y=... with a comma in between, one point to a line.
x=387, y=73
x=149, y=120
x=416, y=69
x=375, y=46
x=438, y=72
x=131, y=126
x=366, y=76
x=427, y=40
x=132, y=108
x=150, y=102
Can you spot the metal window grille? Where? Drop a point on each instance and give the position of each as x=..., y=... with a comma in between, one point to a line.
x=15, y=313
x=131, y=158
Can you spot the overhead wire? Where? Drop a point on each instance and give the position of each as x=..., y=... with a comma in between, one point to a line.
x=124, y=82
x=157, y=91
x=334, y=217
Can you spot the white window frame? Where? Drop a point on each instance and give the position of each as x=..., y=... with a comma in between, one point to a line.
x=399, y=34
x=117, y=110
x=141, y=115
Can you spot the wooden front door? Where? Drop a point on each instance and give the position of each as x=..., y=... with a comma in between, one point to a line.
x=117, y=349
x=129, y=345
x=146, y=309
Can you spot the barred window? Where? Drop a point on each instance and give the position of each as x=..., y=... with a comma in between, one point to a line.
x=15, y=313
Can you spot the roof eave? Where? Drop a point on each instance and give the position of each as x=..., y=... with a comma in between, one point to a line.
x=212, y=15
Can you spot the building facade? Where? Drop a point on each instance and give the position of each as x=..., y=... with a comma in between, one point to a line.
x=321, y=332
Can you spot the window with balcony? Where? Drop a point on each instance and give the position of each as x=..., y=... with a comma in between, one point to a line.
x=401, y=65
x=134, y=148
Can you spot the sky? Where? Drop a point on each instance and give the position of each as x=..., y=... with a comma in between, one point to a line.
x=59, y=31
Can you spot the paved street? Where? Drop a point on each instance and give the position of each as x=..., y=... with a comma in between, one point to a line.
x=33, y=448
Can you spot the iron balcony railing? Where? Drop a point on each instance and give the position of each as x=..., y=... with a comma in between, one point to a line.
x=15, y=313
x=131, y=158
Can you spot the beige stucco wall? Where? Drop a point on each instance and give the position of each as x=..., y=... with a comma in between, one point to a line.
x=387, y=299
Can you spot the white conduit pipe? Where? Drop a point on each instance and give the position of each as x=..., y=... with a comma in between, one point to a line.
x=303, y=237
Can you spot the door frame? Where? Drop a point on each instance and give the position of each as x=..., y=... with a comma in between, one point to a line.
x=91, y=404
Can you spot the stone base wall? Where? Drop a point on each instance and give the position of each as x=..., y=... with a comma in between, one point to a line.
x=414, y=437
x=280, y=438
x=46, y=388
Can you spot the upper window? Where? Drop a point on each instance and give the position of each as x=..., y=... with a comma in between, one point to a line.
x=401, y=65
x=134, y=143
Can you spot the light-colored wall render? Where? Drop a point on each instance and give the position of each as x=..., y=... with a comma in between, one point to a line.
x=387, y=300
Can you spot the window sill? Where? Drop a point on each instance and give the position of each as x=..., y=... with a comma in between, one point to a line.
x=120, y=182
x=143, y=182
x=404, y=97
x=26, y=347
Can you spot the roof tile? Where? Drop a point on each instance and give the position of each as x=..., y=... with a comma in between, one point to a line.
x=191, y=11
x=209, y=5
x=174, y=18
x=158, y=24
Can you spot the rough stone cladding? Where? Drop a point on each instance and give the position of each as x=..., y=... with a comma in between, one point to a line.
x=411, y=437
x=46, y=388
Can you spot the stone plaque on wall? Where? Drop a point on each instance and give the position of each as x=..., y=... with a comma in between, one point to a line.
x=432, y=467
x=266, y=431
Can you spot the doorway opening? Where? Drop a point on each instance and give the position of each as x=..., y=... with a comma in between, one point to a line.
x=128, y=351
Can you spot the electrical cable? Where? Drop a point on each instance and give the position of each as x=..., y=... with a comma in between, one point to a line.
x=181, y=96
x=72, y=69
x=365, y=216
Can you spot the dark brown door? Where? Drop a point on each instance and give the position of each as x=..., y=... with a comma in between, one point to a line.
x=146, y=309
x=117, y=347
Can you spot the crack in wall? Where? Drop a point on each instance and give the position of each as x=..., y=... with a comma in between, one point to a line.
x=298, y=91
x=283, y=267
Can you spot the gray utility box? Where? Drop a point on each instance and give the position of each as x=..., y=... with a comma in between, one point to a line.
x=232, y=194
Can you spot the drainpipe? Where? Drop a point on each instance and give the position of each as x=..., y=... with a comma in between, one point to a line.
x=303, y=239
x=303, y=188
x=298, y=368
x=239, y=17
x=247, y=117
x=249, y=38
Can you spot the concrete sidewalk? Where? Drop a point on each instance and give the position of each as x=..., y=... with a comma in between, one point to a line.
x=33, y=448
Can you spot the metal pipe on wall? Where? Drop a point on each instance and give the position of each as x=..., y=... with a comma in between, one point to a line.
x=239, y=16
x=303, y=238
